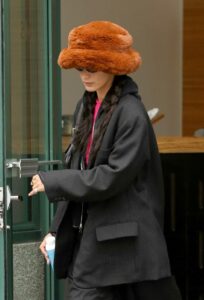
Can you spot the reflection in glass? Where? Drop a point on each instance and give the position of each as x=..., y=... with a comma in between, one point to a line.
x=27, y=93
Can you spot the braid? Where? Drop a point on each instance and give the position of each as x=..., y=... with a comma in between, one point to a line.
x=82, y=134
x=109, y=103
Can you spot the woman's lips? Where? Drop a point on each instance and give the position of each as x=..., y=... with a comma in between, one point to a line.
x=88, y=83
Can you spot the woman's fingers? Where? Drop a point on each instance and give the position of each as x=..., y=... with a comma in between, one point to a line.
x=42, y=248
x=36, y=189
x=33, y=192
x=37, y=185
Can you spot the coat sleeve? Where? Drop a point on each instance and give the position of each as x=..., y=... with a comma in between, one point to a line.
x=130, y=152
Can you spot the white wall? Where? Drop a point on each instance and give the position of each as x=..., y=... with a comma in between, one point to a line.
x=156, y=26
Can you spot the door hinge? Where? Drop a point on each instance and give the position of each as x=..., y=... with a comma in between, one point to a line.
x=1, y=208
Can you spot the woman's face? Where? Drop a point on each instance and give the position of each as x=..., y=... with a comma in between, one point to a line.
x=98, y=82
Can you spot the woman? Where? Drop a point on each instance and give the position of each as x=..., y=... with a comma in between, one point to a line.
x=109, y=220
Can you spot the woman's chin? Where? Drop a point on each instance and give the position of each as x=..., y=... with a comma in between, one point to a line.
x=90, y=89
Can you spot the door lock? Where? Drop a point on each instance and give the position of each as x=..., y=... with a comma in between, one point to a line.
x=29, y=166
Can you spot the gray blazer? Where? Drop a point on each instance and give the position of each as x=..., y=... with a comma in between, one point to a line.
x=122, y=240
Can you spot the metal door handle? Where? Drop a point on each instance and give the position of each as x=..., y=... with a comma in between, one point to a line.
x=29, y=166
x=16, y=198
x=10, y=197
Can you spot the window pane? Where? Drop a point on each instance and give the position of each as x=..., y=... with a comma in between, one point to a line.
x=26, y=138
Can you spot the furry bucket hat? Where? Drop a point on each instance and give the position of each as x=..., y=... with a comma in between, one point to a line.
x=100, y=46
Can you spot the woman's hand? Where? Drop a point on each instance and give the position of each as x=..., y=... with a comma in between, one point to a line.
x=37, y=185
x=42, y=248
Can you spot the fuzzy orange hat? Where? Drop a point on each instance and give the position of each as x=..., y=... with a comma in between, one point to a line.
x=100, y=46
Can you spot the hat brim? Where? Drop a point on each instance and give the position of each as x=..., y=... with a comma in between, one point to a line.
x=112, y=62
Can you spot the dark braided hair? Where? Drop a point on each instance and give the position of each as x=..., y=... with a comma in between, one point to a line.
x=84, y=130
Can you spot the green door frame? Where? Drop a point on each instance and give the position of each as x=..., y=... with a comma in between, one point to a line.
x=53, y=290
x=53, y=137
x=6, y=282
x=2, y=232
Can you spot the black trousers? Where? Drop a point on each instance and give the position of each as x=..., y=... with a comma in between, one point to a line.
x=163, y=289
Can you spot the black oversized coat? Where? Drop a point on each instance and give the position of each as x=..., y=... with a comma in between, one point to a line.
x=122, y=239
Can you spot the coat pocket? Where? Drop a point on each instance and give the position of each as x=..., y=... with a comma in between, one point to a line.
x=116, y=231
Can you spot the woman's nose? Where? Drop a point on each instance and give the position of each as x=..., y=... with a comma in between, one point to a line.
x=85, y=74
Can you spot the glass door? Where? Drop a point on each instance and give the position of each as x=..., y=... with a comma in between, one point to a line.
x=30, y=138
